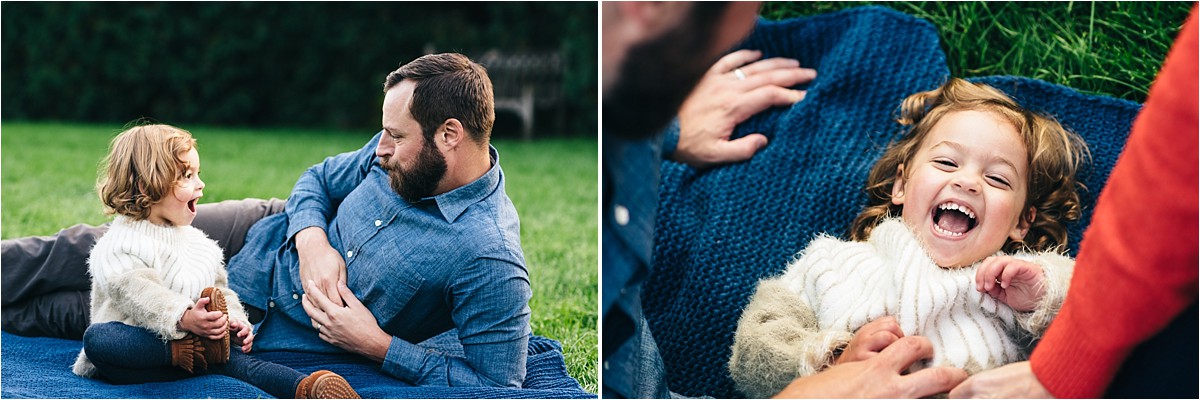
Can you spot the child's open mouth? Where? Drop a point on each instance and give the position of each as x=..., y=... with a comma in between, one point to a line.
x=952, y=219
x=191, y=204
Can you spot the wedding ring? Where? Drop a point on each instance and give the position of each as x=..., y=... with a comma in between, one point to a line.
x=739, y=74
x=319, y=326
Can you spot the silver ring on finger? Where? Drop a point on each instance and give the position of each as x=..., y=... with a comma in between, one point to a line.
x=319, y=326
x=741, y=76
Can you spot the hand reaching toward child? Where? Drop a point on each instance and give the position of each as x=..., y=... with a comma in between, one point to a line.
x=871, y=339
x=244, y=336
x=1020, y=284
x=209, y=324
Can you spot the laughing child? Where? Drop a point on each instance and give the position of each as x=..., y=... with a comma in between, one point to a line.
x=960, y=243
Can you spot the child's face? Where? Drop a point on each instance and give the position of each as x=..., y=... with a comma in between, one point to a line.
x=963, y=191
x=178, y=208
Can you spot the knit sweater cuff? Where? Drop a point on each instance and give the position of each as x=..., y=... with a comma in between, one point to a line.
x=1057, y=270
x=1057, y=368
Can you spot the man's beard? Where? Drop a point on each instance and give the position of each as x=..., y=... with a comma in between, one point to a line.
x=657, y=76
x=420, y=181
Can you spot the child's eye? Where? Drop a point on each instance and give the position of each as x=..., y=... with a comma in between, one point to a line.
x=947, y=163
x=999, y=180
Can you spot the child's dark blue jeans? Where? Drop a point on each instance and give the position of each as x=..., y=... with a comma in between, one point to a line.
x=127, y=354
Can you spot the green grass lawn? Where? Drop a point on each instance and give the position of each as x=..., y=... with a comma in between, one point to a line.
x=1112, y=48
x=49, y=170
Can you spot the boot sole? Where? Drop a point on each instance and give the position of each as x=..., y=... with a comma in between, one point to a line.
x=216, y=351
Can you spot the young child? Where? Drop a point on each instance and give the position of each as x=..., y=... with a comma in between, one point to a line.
x=959, y=243
x=160, y=296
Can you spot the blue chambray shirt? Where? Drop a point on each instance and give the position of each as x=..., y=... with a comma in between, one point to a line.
x=633, y=366
x=448, y=261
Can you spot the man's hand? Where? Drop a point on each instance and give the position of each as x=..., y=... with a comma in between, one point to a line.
x=209, y=324
x=880, y=376
x=722, y=100
x=1012, y=381
x=1011, y=281
x=245, y=335
x=320, y=263
x=871, y=339
x=351, y=327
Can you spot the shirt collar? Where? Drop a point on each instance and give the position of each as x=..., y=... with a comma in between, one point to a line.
x=453, y=203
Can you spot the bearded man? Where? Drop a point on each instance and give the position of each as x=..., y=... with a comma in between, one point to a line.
x=376, y=251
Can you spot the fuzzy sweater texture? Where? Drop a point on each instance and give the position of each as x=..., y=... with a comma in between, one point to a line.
x=795, y=322
x=148, y=275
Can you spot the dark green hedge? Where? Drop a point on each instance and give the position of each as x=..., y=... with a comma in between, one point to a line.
x=266, y=64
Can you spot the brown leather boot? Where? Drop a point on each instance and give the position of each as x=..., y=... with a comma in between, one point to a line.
x=325, y=384
x=216, y=351
x=188, y=353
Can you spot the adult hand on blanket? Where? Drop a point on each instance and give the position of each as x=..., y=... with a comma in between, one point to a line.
x=320, y=262
x=351, y=327
x=880, y=376
x=729, y=93
x=1013, y=381
x=871, y=339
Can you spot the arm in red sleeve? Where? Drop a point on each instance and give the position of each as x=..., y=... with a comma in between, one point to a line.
x=1136, y=269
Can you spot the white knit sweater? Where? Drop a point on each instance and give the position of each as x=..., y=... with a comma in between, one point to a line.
x=795, y=322
x=147, y=275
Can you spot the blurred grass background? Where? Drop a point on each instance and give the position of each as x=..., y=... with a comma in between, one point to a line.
x=1111, y=48
x=49, y=170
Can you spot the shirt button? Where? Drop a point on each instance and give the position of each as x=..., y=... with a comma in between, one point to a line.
x=350, y=254
x=295, y=296
x=378, y=222
x=271, y=304
x=622, y=215
x=606, y=365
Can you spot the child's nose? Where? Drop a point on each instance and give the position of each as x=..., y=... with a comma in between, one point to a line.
x=967, y=182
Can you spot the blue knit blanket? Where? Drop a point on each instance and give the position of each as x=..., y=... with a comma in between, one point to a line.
x=41, y=367
x=720, y=231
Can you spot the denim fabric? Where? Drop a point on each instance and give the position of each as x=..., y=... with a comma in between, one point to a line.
x=632, y=365
x=448, y=261
x=127, y=354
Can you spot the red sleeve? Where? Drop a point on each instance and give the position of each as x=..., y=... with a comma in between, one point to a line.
x=1136, y=268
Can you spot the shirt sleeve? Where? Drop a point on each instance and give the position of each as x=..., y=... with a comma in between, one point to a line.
x=778, y=339
x=1137, y=262
x=491, y=311
x=315, y=197
x=146, y=301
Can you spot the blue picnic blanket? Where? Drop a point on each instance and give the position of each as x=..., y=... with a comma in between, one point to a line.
x=41, y=367
x=720, y=231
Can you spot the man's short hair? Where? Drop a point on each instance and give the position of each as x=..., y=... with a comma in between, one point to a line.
x=448, y=85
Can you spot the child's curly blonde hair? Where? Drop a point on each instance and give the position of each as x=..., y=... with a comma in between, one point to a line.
x=143, y=165
x=1055, y=155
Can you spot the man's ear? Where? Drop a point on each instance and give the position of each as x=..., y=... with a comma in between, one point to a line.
x=1023, y=224
x=450, y=134
x=898, y=186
